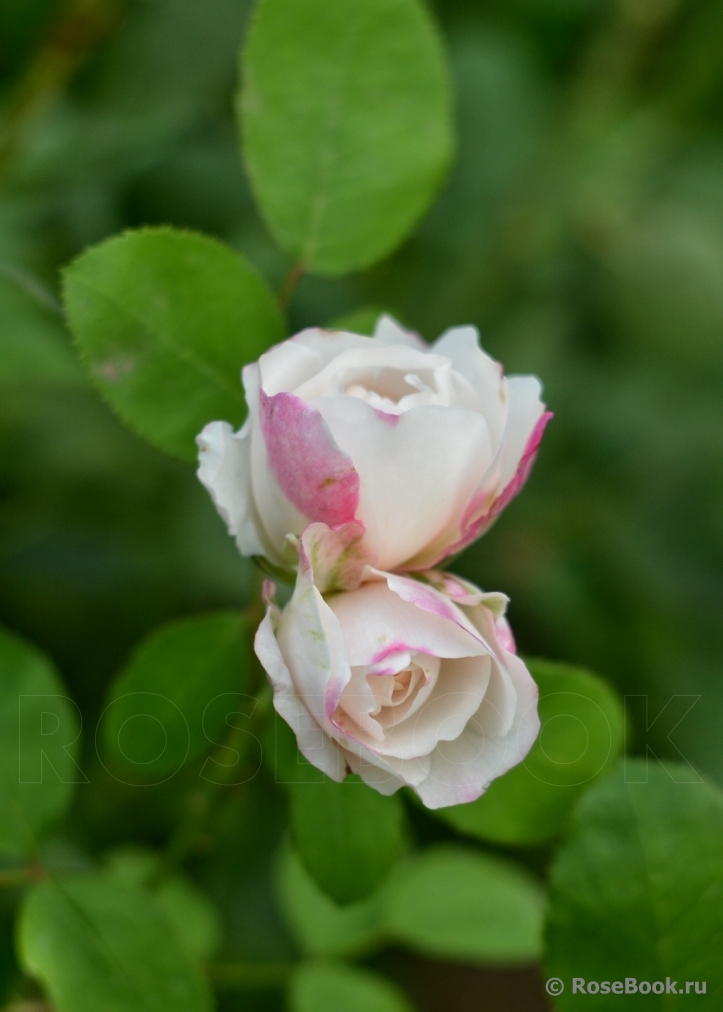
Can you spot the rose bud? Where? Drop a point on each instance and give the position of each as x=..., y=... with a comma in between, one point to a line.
x=419, y=446
x=400, y=682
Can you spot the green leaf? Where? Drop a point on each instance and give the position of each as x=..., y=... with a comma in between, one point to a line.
x=164, y=320
x=580, y=738
x=97, y=943
x=172, y=701
x=456, y=903
x=320, y=926
x=39, y=733
x=135, y=866
x=329, y=987
x=636, y=890
x=348, y=835
x=345, y=110
x=193, y=916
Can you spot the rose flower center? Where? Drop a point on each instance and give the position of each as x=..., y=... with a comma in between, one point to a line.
x=371, y=704
x=389, y=390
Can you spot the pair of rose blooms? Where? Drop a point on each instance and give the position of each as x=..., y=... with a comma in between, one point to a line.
x=363, y=464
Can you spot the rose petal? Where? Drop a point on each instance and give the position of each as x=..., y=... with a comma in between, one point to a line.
x=327, y=344
x=461, y=346
x=312, y=643
x=376, y=623
x=337, y=556
x=287, y=365
x=381, y=771
x=365, y=366
x=461, y=770
x=465, y=593
x=315, y=476
x=491, y=497
x=416, y=470
x=526, y=410
x=388, y=331
x=314, y=744
x=225, y=470
x=428, y=599
x=456, y=697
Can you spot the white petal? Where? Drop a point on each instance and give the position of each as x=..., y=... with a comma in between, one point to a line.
x=461, y=346
x=462, y=592
x=417, y=470
x=388, y=331
x=526, y=409
x=381, y=780
x=461, y=770
x=314, y=744
x=225, y=470
x=251, y=379
x=455, y=699
x=312, y=644
x=429, y=599
x=375, y=623
x=328, y=344
x=379, y=770
x=505, y=476
x=353, y=365
x=286, y=366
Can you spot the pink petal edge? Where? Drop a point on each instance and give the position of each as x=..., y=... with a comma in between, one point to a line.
x=473, y=526
x=310, y=469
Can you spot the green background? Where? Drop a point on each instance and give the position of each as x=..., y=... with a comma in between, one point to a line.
x=580, y=228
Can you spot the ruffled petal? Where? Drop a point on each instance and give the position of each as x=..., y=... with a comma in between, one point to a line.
x=385, y=773
x=337, y=556
x=378, y=623
x=311, y=640
x=455, y=699
x=369, y=363
x=461, y=770
x=327, y=344
x=225, y=470
x=287, y=365
x=314, y=744
x=388, y=331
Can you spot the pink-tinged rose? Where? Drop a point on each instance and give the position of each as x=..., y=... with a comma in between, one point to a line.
x=419, y=447
x=400, y=683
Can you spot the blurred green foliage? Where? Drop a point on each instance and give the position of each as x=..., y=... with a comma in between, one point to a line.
x=581, y=228
x=629, y=869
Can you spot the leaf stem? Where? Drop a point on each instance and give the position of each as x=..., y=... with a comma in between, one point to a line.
x=10, y=877
x=81, y=26
x=250, y=976
x=32, y=286
x=203, y=801
x=289, y=284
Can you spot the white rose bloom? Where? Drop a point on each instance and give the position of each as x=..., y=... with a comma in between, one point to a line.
x=413, y=449
x=401, y=681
